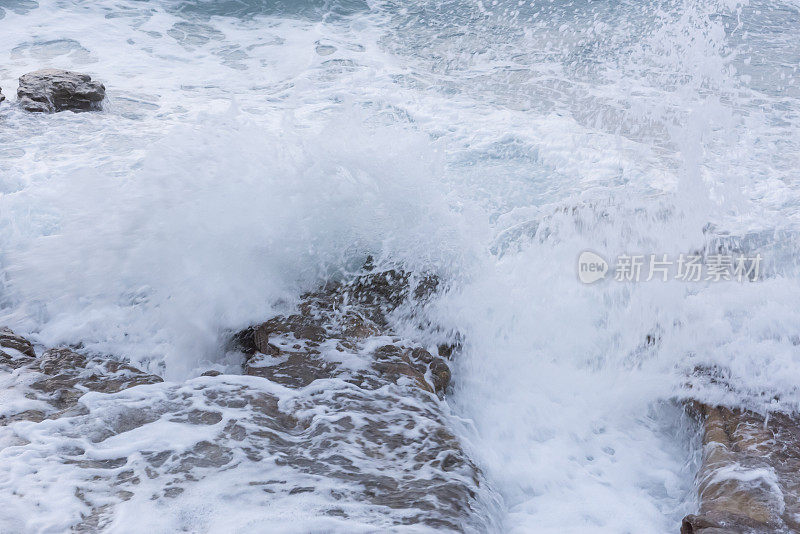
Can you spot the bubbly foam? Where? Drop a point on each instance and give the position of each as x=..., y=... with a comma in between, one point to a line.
x=249, y=150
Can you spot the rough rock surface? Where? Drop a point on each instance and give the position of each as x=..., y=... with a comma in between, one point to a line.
x=53, y=383
x=52, y=90
x=339, y=423
x=342, y=318
x=749, y=481
x=340, y=341
x=2, y=97
x=339, y=321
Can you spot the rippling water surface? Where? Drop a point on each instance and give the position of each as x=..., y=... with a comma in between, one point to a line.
x=249, y=149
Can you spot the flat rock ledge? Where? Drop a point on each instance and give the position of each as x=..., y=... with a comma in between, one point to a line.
x=55, y=381
x=749, y=480
x=53, y=90
x=333, y=414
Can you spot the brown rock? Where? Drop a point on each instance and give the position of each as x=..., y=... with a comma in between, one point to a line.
x=441, y=375
x=261, y=341
x=356, y=326
x=63, y=376
x=344, y=315
x=19, y=350
x=297, y=370
x=69, y=374
x=392, y=363
x=302, y=326
x=749, y=480
x=10, y=340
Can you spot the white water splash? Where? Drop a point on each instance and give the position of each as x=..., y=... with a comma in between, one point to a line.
x=491, y=142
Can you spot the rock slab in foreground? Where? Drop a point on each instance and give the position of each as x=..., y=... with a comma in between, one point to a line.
x=338, y=428
x=52, y=90
x=385, y=441
x=749, y=481
x=48, y=386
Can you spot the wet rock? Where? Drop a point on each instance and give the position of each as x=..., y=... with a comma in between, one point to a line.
x=422, y=357
x=749, y=481
x=60, y=377
x=393, y=363
x=382, y=394
x=371, y=294
x=244, y=341
x=261, y=340
x=386, y=456
x=435, y=369
x=355, y=325
x=295, y=350
x=69, y=375
x=381, y=292
x=10, y=340
x=387, y=288
x=441, y=375
x=55, y=361
x=370, y=442
x=446, y=351
x=256, y=338
x=15, y=350
x=294, y=370
x=52, y=90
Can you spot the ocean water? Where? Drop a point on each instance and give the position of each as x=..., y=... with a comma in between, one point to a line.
x=249, y=150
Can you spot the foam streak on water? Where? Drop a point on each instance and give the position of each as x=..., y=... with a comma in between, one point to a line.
x=250, y=149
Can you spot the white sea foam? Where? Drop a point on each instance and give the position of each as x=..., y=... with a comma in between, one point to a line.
x=249, y=150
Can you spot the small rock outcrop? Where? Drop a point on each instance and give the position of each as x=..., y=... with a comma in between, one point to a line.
x=298, y=349
x=60, y=377
x=52, y=90
x=749, y=481
x=1, y=95
x=14, y=350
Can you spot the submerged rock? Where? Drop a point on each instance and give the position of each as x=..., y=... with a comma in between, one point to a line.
x=52, y=90
x=68, y=375
x=60, y=377
x=338, y=426
x=749, y=481
x=239, y=451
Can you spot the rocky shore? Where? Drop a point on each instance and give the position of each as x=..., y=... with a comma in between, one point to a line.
x=344, y=415
x=334, y=417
